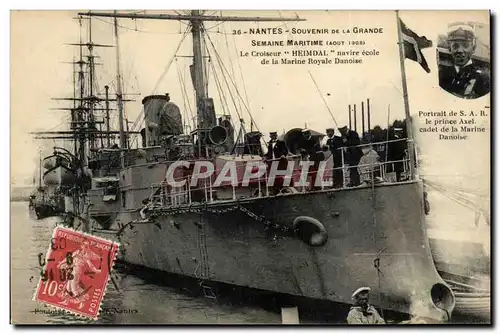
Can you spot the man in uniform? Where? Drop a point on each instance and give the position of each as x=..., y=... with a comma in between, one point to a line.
x=362, y=312
x=465, y=79
x=369, y=164
x=352, y=155
x=334, y=143
x=316, y=155
x=396, y=151
x=275, y=148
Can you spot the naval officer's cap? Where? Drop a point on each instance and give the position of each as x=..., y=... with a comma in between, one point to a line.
x=358, y=291
x=461, y=33
x=330, y=130
x=273, y=133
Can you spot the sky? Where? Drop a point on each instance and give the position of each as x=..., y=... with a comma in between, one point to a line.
x=280, y=97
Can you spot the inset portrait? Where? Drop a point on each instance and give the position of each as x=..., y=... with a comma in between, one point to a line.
x=463, y=57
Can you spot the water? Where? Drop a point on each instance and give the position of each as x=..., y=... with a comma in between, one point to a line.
x=137, y=302
x=141, y=298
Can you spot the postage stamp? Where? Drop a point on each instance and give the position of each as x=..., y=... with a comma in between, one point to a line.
x=75, y=272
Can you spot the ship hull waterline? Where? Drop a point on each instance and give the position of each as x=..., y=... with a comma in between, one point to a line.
x=376, y=238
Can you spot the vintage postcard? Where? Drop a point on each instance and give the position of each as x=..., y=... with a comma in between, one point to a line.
x=251, y=167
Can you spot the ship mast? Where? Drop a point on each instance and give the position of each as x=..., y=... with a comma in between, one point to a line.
x=80, y=118
x=196, y=20
x=119, y=88
x=198, y=69
x=409, y=130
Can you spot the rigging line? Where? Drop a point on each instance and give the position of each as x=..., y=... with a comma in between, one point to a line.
x=236, y=88
x=180, y=21
x=185, y=96
x=231, y=64
x=225, y=78
x=186, y=116
x=220, y=90
x=286, y=25
x=214, y=26
x=241, y=71
x=223, y=67
x=138, y=30
x=166, y=69
x=138, y=118
x=217, y=84
x=67, y=117
x=222, y=95
x=323, y=98
x=206, y=69
x=191, y=109
x=172, y=59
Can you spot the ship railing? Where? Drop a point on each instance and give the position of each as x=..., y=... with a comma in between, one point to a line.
x=164, y=195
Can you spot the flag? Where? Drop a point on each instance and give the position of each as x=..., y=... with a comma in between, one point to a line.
x=413, y=45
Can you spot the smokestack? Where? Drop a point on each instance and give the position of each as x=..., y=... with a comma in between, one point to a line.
x=368, y=116
x=350, y=121
x=362, y=118
x=355, y=120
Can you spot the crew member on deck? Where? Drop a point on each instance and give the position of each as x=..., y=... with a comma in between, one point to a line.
x=369, y=164
x=352, y=153
x=396, y=151
x=465, y=79
x=316, y=155
x=275, y=148
x=362, y=312
x=334, y=143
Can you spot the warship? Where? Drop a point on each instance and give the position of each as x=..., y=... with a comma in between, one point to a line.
x=47, y=199
x=321, y=243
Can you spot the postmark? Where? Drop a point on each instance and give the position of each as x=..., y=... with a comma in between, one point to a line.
x=75, y=272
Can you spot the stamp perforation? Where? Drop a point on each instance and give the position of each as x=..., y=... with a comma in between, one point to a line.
x=111, y=261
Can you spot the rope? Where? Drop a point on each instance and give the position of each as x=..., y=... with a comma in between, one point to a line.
x=241, y=72
x=236, y=88
x=376, y=261
x=324, y=101
x=231, y=65
x=225, y=79
x=141, y=119
x=185, y=98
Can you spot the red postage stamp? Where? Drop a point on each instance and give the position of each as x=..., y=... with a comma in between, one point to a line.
x=75, y=272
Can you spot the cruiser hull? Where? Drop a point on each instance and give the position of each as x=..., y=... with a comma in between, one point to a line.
x=376, y=238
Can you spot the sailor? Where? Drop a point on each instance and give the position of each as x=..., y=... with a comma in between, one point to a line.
x=316, y=155
x=275, y=148
x=396, y=151
x=352, y=153
x=369, y=164
x=466, y=78
x=334, y=143
x=362, y=312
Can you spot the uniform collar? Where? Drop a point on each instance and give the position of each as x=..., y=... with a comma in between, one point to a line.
x=360, y=309
x=457, y=69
